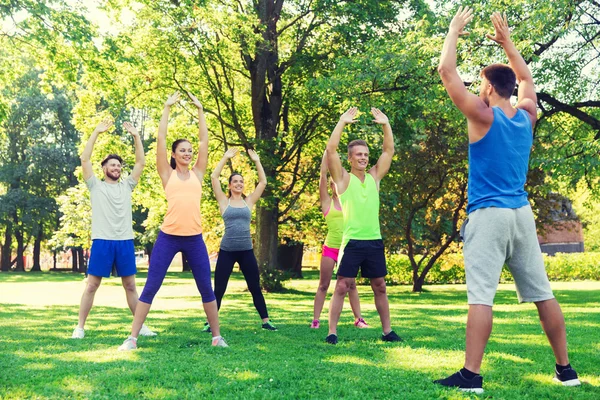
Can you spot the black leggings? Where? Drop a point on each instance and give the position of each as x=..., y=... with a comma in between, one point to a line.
x=249, y=267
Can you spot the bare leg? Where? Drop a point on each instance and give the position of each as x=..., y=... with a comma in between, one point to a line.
x=130, y=292
x=325, y=273
x=381, y=303
x=553, y=324
x=337, y=302
x=87, y=299
x=141, y=312
x=212, y=315
x=479, y=328
x=354, y=301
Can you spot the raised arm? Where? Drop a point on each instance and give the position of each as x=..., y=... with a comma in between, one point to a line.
x=202, y=159
x=216, y=174
x=86, y=154
x=385, y=159
x=468, y=103
x=162, y=165
x=527, y=99
x=253, y=198
x=338, y=173
x=139, y=151
x=324, y=197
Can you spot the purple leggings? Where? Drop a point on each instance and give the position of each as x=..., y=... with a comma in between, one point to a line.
x=165, y=248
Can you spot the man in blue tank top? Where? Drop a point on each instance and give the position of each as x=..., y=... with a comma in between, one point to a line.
x=501, y=227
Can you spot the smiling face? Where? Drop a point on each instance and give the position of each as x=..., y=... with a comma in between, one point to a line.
x=359, y=157
x=112, y=170
x=183, y=153
x=236, y=184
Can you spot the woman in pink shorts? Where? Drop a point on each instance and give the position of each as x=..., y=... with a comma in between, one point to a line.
x=332, y=211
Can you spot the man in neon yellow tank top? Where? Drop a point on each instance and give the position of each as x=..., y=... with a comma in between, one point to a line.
x=362, y=246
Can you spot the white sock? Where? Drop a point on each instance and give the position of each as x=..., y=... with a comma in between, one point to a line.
x=132, y=338
x=216, y=337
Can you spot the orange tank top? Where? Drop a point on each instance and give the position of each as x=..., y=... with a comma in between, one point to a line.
x=183, y=206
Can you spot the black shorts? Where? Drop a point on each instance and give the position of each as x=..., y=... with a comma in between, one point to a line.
x=368, y=255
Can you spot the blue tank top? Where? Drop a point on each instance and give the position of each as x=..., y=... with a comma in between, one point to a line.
x=498, y=163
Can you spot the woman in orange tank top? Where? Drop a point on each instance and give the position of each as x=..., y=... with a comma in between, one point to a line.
x=181, y=230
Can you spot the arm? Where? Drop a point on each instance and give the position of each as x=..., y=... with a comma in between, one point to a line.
x=324, y=197
x=162, y=165
x=527, y=99
x=139, y=152
x=214, y=177
x=385, y=159
x=86, y=154
x=202, y=160
x=338, y=173
x=469, y=104
x=262, y=180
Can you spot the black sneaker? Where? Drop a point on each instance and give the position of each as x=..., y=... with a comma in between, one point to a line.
x=331, y=339
x=206, y=328
x=391, y=337
x=269, y=326
x=466, y=385
x=566, y=378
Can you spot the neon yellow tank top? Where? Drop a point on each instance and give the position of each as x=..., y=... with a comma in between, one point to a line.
x=360, y=205
x=335, y=227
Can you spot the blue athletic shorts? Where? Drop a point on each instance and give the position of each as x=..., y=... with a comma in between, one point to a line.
x=366, y=255
x=106, y=253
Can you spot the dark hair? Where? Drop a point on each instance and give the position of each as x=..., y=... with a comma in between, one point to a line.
x=502, y=78
x=112, y=157
x=173, y=148
x=230, y=179
x=356, y=142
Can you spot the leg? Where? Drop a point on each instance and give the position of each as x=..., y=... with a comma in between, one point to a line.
x=87, y=299
x=381, y=303
x=342, y=286
x=325, y=273
x=130, y=291
x=355, y=301
x=479, y=328
x=223, y=270
x=249, y=268
x=553, y=324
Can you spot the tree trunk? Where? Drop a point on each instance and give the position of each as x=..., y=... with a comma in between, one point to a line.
x=148, y=247
x=74, y=259
x=20, y=251
x=185, y=263
x=82, y=263
x=54, y=259
x=37, y=249
x=6, y=249
x=267, y=237
x=290, y=258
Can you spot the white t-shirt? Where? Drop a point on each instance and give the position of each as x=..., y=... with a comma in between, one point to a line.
x=111, y=208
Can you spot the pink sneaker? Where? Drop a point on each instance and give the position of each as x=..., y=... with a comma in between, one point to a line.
x=360, y=323
x=315, y=324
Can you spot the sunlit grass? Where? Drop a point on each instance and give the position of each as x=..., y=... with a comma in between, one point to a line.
x=38, y=312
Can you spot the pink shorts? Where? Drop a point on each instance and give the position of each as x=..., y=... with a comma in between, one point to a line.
x=330, y=252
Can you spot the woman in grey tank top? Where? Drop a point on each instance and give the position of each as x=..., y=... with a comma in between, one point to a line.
x=236, y=244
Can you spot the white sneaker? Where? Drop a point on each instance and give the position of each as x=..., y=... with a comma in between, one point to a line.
x=145, y=331
x=129, y=344
x=78, y=333
x=219, y=342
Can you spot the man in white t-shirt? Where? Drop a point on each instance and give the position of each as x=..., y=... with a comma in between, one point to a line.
x=112, y=232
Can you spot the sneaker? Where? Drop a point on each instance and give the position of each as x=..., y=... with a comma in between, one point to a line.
x=461, y=383
x=314, y=324
x=129, y=344
x=391, y=337
x=145, y=331
x=360, y=323
x=331, y=339
x=206, y=328
x=219, y=342
x=78, y=333
x=269, y=326
x=566, y=378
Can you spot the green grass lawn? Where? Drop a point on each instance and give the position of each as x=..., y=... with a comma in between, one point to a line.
x=38, y=360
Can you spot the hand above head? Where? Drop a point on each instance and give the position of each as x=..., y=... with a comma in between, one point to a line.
x=195, y=101
x=253, y=156
x=174, y=98
x=463, y=16
x=380, y=118
x=349, y=116
x=230, y=153
x=502, y=34
x=128, y=126
x=103, y=126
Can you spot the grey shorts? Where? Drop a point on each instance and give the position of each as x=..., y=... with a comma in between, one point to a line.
x=497, y=236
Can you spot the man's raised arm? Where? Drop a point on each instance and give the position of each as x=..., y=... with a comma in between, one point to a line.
x=333, y=159
x=86, y=154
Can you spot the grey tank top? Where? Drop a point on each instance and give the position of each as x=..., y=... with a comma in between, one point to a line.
x=237, y=228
